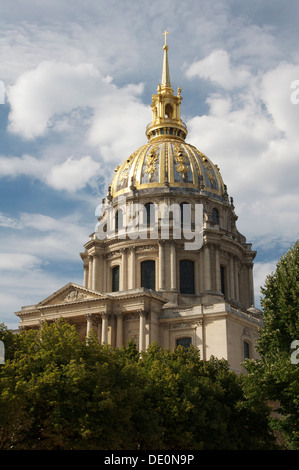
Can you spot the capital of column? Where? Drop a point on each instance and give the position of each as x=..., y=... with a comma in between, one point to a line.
x=142, y=313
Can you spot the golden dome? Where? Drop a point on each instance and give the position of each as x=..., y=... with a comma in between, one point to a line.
x=167, y=160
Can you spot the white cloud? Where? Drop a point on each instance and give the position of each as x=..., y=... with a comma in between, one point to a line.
x=75, y=100
x=119, y=124
x=18, y=261
x=73, y=175
x=50, y=89
x=25, y=165
x=252, y=134
x=217, y=67
x=276, y=93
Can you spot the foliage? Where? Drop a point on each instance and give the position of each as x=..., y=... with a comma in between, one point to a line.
x=57, y=392
x=276, y=376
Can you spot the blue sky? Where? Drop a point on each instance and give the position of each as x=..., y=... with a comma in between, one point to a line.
x=78, y=80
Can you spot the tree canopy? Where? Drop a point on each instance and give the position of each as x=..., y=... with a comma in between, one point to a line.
x=275, y=377
x=57, y=392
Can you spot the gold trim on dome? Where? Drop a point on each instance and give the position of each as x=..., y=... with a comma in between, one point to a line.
x=151, y=161
x=181, y=161
x=167, y=161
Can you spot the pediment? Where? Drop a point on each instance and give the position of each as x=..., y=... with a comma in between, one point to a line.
x=71, y=293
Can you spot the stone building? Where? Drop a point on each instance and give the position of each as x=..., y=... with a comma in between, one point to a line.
x=166, y=262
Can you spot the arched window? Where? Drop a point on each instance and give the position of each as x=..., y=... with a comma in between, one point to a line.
x=115, y=279
x=185, y=342
x=246, y=350
x=186, y=276
x=148, y=274
x=215, y=216
x=168, y=111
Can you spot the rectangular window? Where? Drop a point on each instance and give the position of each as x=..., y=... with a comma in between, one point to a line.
x=246, y=350
x=115, y=279
x=185, y=342
x=148, y=277
x=186, y=277
x=222, y=280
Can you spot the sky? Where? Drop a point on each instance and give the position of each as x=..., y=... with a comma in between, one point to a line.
x=76, y=81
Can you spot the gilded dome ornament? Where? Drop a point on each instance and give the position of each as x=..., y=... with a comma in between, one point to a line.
x=151, y=161
x=167, y=161
x=181, y=161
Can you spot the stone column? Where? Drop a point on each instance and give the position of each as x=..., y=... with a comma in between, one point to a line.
x=132, y=272
x=104, y=328
x=104, y=271
x=101, y=273
x=95, y=272
x=119, y=330
x=141, y=331
x=172, y=266
x=231, y=278
x=236, y=271
x=89, y=324
x=85, y=279
x=123, y=273
x=251, y=285
x=207, y=268
x=161, y=265
x=90, y=272
x=201, y=271
x=217, y=269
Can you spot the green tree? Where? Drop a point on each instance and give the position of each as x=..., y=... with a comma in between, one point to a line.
x=57, y=392
x=72, y=395
x=200, y=404
x=276, y=376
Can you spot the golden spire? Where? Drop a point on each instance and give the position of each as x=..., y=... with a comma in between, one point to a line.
x=165, y=70
x=166, y=107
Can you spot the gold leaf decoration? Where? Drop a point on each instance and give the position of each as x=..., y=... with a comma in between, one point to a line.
x=151, y=161
x=181, y=161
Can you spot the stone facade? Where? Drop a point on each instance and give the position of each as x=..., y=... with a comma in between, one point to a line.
x=140, y=281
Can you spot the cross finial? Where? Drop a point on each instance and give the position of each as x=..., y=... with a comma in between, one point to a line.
x=164, y=34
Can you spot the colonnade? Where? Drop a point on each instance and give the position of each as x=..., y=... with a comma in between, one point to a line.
x=215, y=271
x=100, y=324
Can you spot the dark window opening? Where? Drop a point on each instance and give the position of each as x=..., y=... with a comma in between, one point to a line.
x=186, y=277
x=150, y=214
x=148, y=275
x=185, y=342
x=222, y=280
x=168, y=111
x=215, y=216
x=118, y=220
x=246, y=347
x=115, y=279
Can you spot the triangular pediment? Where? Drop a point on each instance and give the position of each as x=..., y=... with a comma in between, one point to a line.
x=69, y=294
